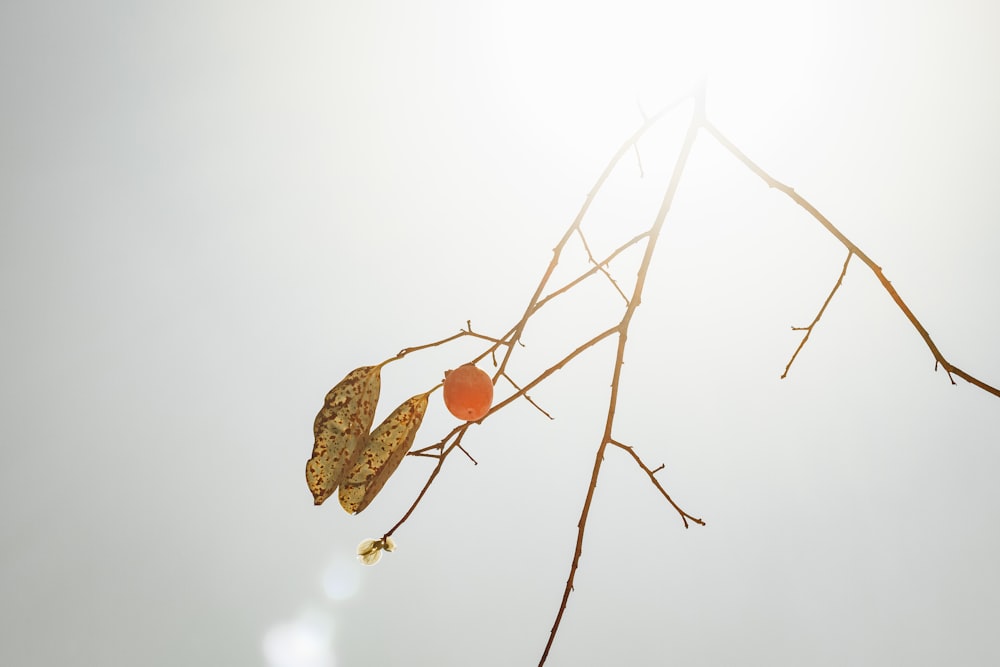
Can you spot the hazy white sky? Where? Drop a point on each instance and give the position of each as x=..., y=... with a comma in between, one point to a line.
x=210, y=212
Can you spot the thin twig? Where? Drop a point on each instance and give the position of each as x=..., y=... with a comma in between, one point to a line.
x=552, y=369
x=638, y=160
x=652, y=477
x=526, y=397
x=460, y=431
x=467, y=454
x=816, y=319
x=507, y=339
x=599, y=266
x=586, y=274
x=464, y=332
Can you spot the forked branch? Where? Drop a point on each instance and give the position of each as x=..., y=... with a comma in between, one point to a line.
x=633, y=303
x=651, y=473
x=557, y=251
x=808, y=329
x=949, y=368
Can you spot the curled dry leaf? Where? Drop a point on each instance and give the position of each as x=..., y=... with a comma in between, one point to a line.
x=385, y=449
x=341, y=430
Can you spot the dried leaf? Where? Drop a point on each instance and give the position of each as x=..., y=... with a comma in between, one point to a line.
x=386, y=447
x=341, y=430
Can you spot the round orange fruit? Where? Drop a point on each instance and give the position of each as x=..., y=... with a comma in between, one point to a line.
x=468, y=392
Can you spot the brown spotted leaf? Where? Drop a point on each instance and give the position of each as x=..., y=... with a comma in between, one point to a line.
x=341, y=430
x=387, y=445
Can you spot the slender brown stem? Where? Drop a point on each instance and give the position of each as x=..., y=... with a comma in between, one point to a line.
x=550, y=370
x=593, y=270
x=816, y=319
x=526, y=397
x=651, y=473
x=461, y=430
x=465, y=332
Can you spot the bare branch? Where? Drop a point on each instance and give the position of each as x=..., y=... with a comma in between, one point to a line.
x=633, y=303
x=599, y=266
x=527, y=398
x=816, y=319
x=460, y=433
x=847, y=243
x=557, y=251
x=464, y=332
x=550, y=370
x=586, y=274
x=467, y=454
x=424, y=454
x=652, y=477
x=442, y=449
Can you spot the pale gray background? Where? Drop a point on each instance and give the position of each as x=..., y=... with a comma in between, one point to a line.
x=211, y=211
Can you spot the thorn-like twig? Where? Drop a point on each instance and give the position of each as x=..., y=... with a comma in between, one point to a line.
x=467, y=454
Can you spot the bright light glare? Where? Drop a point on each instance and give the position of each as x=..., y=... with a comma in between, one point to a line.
x=606, y=57
x=304, y=642
x=342, y=579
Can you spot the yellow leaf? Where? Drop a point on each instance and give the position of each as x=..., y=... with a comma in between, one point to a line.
x=386, y=447
x=341, y=430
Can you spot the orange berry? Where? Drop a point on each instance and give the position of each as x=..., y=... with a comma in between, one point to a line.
x=468, y=392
